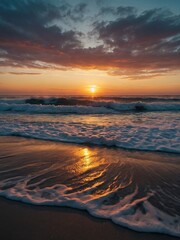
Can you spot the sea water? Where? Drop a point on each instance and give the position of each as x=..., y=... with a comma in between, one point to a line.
x=146, y=123
x=142, y=195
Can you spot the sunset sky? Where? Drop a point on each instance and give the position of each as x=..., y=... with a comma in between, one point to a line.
x=64, y=47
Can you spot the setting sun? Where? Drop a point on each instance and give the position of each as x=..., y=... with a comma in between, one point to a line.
x=93, y=89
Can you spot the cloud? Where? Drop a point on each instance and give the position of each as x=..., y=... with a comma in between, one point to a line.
x=131, y=44
x=31, y=22
x=21, y=73
x=121, y=11
x=140, y=31
x=142, y=42
x=24, y=73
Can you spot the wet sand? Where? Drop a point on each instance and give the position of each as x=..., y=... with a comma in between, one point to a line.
x=19, y=221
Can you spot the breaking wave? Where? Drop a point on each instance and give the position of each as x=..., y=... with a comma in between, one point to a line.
x=94, y=108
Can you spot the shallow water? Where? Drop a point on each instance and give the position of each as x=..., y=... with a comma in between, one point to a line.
x=140, y=123
x=139, y=190
x=153, y=131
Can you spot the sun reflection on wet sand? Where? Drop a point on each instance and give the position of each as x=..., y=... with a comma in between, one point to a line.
x=110, y=182
x=83, y=160
x=87, y=169
x=87, y=159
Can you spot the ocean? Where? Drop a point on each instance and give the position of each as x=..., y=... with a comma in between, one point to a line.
x=132, y=144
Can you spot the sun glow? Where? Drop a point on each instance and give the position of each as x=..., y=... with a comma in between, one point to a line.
x=92, y=89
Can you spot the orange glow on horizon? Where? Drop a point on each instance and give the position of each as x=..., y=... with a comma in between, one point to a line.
x=77, y=82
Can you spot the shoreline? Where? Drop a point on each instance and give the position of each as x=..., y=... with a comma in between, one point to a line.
x=25, y=221
x=21, y=220
x=94, y=145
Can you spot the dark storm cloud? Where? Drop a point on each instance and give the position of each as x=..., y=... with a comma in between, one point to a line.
x=141, y=45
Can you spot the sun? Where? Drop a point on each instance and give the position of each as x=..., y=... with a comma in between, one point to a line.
x=92, y=89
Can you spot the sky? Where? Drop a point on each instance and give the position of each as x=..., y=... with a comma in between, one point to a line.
x=123, y=47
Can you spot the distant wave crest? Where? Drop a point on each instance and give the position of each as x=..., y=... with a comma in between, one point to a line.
x=40, y=106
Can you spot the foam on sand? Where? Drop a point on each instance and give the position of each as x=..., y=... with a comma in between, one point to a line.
x=138, y=191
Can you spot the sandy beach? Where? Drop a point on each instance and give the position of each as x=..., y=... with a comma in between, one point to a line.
x=25, y=221
x=20, y=221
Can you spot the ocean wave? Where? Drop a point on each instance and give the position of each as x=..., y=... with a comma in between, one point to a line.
x=51, y=109
x=146, y=138
x=135, y=214
x=95, y=108
x=85, y=100
x=101, y=142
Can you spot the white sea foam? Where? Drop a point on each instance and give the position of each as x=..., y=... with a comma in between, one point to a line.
x=144, y=132
x=125, y=213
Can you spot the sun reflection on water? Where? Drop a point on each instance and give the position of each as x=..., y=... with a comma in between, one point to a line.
x=87, y=159
x=83, y=161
